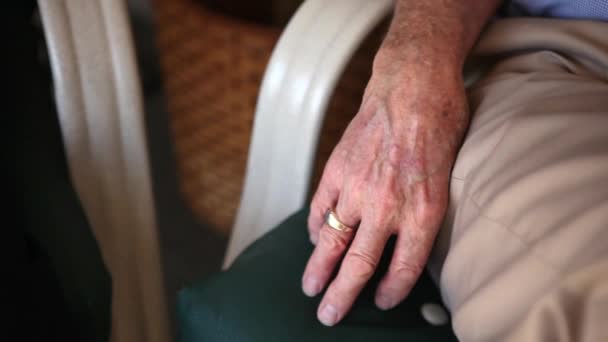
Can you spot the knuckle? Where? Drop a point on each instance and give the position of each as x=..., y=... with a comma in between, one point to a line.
x=332, y=241
x=433, y=201
x=429, y=214
x=386, y=207
x=403, y=269
x=388, y=202
x=360, y=265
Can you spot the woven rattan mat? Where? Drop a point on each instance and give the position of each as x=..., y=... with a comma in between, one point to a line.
x=212, y=68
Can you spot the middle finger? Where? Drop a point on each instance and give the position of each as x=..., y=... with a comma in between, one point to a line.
x=357, y=268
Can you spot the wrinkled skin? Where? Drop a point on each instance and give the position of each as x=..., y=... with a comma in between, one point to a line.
x=389, y=174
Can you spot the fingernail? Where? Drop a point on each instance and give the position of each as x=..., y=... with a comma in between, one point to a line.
x=311, y=286
x=313, y=239
x=384, y=302
x=328, y=315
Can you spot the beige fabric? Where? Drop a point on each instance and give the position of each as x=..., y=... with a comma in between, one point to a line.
x=524, y=248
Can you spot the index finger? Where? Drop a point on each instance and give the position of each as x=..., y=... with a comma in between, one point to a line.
x=357, y=268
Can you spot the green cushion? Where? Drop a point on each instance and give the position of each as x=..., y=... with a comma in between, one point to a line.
x=259, y=299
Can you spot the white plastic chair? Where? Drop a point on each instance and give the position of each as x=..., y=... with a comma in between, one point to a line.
x=299, y=80
x=100, y=107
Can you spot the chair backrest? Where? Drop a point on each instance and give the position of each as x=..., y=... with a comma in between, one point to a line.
x=99, y=100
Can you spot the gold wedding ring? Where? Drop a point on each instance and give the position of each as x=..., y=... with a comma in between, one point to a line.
x=332, y=220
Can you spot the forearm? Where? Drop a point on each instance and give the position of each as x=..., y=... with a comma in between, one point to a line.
x=434, y=30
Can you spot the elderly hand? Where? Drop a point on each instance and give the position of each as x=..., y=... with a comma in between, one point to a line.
x=388, y=175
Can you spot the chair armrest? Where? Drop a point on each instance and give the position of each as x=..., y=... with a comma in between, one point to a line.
x=299, y=80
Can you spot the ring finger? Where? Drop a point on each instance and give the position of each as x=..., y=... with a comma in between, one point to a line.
x=329, y=249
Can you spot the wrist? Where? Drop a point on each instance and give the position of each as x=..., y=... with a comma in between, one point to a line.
x=405, y=69
x=437, y=57
x=435, y=31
